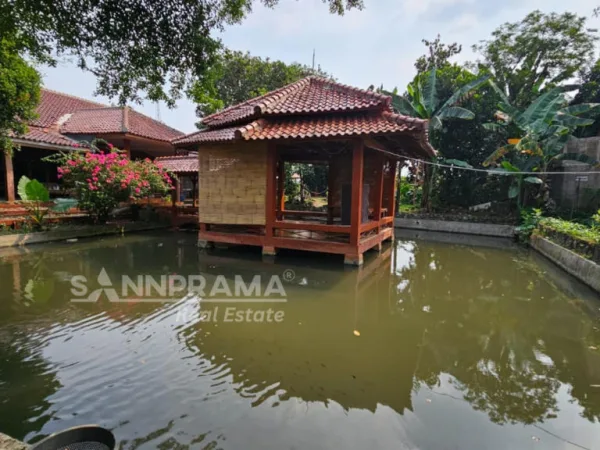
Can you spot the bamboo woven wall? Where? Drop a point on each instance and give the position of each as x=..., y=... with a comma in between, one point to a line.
x=233, y=184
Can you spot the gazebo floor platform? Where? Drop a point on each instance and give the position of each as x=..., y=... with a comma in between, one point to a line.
x=298, y=239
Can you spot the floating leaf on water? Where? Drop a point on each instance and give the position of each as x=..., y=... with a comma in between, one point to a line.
x=356, y=333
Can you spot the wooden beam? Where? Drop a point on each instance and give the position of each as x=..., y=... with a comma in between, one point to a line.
x=231, y=238
x=290, y=212
x=376, y=145
x=312, y=245
x=357, y=191
x=294, y=225
x=270, y=200
x=9, y=175
x=374, y=240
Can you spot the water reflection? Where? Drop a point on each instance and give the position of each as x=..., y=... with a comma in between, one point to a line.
x=427, y=340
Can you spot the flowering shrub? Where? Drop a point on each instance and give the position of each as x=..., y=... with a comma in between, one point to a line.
x=100, y=181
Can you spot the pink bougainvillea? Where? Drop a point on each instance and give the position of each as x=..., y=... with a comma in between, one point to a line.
x=100, y=181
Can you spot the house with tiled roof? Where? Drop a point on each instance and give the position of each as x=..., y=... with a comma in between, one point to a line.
x=67, y=123
x=243, y=150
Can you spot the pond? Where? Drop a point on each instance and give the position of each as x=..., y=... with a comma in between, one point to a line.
x=433, y=344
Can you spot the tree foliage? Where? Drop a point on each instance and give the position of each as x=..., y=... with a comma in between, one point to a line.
x=439, y=54
x=19, y=94
x=542, y=49
x=423, y=100
x=589, y=92
x=238, y=76
x=132, y=46
x=541, y=131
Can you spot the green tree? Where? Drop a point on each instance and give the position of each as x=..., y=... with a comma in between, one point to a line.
x=541, y=132
x=541, y=50
x=589, y=92
x=237, y=76
x=438, y=56
x=152, y=46
x=423, y=101
x=19, y=94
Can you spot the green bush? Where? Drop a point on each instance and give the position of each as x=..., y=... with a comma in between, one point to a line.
x=575, y=230
x=596, y=221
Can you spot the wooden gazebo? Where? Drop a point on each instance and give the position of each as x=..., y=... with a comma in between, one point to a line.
x=243, y=150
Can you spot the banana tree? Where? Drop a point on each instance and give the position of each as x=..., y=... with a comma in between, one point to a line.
x=423, y=102
x=541, y=133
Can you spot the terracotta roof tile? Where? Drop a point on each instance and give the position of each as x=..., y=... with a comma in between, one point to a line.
x=309, y=95
x=311, y=126
x=222, y=135
x=179, y=164
x=54, y=105
x=117, y=120
x=46, y=136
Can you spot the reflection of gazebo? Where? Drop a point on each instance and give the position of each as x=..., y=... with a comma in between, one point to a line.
x=243, y=151
x=316, y=357
x=186, y=169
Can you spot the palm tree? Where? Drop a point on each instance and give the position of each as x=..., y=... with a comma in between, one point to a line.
x=423, y=102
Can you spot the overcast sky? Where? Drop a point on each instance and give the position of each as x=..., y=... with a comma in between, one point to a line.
x=376, y=45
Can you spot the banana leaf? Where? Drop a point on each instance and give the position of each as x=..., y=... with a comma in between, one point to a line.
x=497, y=154
x=430, y=99
x=456, y=112
x=463, y=90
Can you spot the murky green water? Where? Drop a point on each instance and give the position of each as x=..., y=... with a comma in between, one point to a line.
x=432, y=345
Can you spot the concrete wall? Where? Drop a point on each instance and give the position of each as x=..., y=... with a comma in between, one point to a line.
x=581, y=268
x=480, y=229
x=579, y=192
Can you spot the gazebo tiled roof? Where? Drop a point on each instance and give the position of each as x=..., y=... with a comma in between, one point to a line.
x=310, y=108
x=179, y=163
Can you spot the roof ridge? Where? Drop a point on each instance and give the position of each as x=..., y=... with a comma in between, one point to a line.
x=402, y=119
x=215, y=116
x=73, y=96
x=156, y=120
x=347, y=87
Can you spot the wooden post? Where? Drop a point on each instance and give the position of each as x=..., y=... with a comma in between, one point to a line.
x=194, y=189
x=127, y=148
x=379, y=189
x=356, y=258
x=10, y=177
x=281, y=189
x=330, y=189
x=392, y=198
x=270, y=201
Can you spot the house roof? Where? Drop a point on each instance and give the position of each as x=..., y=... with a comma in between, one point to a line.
x=49, y=137
x=313, y=108
x=117, y=120
x=308, y=95
x=61, y=114
x=179, y=163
